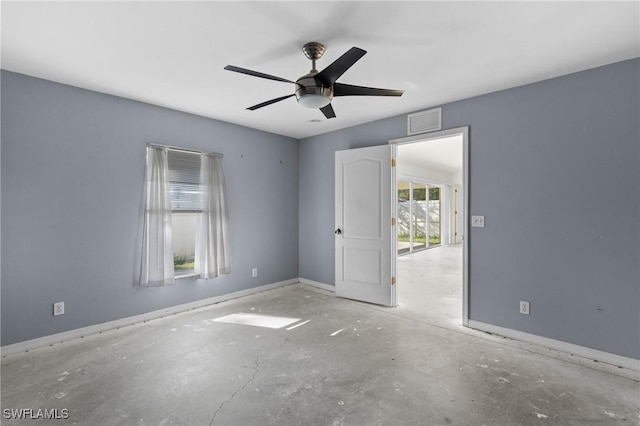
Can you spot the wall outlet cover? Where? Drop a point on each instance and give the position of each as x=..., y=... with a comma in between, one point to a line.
x=58, y=309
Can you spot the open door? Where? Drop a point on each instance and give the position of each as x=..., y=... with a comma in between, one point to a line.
x=365, y=235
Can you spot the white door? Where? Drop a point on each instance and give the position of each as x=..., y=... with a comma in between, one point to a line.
x=364, y=243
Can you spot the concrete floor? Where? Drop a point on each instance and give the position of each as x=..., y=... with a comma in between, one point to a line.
x=383, y=368
x=430, y=285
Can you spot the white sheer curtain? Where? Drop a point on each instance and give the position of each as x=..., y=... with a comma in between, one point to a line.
x=212, y=246
x=157, y=251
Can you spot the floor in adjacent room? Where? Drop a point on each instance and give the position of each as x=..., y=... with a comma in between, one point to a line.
x=327, y=361
x=430, y=285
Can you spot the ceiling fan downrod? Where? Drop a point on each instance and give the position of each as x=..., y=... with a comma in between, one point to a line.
x=314, y=51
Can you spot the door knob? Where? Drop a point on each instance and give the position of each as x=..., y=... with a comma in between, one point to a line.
x=338, y=231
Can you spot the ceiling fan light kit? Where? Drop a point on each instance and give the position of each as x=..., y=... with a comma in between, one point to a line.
x=317, y=89
x=313, y=101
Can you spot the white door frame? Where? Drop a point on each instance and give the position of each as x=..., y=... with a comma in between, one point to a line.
x=464, y=131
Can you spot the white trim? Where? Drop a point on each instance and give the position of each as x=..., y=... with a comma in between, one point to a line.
x=431, y=135
x=123, y=322
x=316, y=284
x=394, y=228
x=465, y=227
x=464, y=131
x=570, y=348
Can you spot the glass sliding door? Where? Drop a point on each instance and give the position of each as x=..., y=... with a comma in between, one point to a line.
x=419, y=216
x=420, y=221
x=413, y=217
x=403, y=222
x=435, y=215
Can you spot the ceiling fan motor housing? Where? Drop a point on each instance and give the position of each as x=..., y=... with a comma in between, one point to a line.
x=307, y=86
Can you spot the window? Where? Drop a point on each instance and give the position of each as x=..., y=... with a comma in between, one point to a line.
x=186, y=204
x=185, y=226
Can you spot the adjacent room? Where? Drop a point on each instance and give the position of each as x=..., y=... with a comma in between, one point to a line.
x=320, y=213
x=430, y=229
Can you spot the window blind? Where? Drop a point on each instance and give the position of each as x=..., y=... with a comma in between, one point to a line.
x=184, y=180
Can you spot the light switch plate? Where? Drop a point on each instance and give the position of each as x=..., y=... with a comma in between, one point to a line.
x=477, y=221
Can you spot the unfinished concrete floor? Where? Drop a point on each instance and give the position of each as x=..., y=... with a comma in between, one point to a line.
x=351, y=364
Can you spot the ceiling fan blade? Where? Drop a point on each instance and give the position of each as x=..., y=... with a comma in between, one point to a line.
x=272, y=101
x=340, y=89
x=256, y=73
x=330, y=74
x=328, y=111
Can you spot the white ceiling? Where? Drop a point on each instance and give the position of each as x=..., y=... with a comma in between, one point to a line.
x=172, y=54
x=445, y=154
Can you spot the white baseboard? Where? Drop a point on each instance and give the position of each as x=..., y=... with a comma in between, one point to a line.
x=570, y=348
x=123, y=322
x=316, y=284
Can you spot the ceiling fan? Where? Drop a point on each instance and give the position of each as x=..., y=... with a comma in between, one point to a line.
x=317, y=89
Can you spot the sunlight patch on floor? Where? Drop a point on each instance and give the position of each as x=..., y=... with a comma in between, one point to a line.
x=257, y=320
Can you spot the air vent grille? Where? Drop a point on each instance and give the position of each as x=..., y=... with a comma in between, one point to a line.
x=424, y=121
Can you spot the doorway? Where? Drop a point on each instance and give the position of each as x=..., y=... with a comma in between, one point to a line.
x=431, y=182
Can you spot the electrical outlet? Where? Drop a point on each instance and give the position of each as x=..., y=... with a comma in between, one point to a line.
x=58, y=308
x=524, y=307
x=254, y=272
x=477, y=221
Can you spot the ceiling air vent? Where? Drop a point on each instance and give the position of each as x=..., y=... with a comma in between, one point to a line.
x=424, y=121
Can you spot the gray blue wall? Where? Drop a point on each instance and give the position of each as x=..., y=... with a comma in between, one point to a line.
x=554, y=167
x=72, y=187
